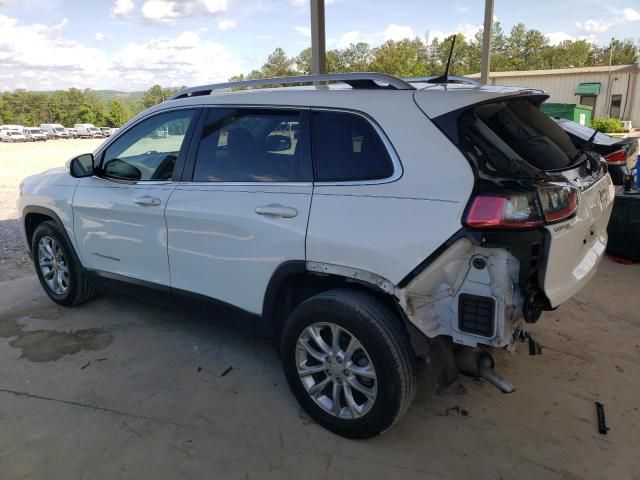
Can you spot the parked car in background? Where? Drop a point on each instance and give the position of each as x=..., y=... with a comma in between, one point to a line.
x=106, y=131
x=12, y=136
x=620, y=153
x=15, y=128
x=87, y=130
x=35, y=134
x=54, y=130
x=73, y=133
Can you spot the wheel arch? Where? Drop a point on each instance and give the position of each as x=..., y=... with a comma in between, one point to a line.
x=293, y=282
x=33, y=216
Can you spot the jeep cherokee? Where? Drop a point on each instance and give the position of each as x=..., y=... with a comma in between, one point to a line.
x=362, y=222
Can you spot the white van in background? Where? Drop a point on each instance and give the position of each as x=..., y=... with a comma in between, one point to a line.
x=14, y=128
x=34, y=134
x=54, y=130
x=12, y=136
x=87, y=130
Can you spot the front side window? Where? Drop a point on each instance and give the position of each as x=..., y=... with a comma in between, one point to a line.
x=149, y=150
x=346, y=147
x=249, y=145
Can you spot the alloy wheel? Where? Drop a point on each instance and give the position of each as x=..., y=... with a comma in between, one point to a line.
x=53, y=265
x=336, y=370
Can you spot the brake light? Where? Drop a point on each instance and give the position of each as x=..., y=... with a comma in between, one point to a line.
x=503, y=211
x=558, y=201
x=619, y=157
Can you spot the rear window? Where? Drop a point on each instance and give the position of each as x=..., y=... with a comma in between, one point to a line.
x=504, y=133
x=346, y=147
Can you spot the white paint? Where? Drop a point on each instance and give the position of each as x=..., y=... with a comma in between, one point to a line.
x=220, y=247
x=108, y=223
x=575, y=252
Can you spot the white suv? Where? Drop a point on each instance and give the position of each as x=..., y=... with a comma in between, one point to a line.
x=361, y=225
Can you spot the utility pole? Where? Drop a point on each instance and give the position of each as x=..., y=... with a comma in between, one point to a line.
x=608, y=91
x=487, y=35
x=318, y=46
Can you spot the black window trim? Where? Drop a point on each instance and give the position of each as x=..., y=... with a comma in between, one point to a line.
x=305, y=137
x=182, y=155
x=398, y=169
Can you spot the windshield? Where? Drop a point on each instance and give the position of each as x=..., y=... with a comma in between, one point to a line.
x=35, y=130
x=58, y=129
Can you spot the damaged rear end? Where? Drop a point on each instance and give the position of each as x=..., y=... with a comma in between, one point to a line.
x=534, y=229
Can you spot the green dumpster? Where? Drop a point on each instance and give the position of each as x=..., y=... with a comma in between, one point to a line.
x=571, y=111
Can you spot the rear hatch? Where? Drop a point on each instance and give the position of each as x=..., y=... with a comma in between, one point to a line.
x=531, y=177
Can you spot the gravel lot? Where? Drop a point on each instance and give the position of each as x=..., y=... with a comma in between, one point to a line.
x=17, y=161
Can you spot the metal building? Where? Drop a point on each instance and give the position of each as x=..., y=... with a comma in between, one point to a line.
x=611, y=91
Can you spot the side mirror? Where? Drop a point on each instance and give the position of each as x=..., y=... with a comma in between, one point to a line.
x=121, y=170
x=278, y=143
x=82, y=166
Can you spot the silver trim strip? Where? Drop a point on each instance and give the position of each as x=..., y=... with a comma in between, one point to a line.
x=352, y=272
x=355, y=80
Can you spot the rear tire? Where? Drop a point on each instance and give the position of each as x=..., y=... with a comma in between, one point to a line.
x=375, y=383
x=58, y=268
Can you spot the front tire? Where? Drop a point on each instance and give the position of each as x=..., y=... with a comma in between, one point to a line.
x=349, y=363
x=58, y=268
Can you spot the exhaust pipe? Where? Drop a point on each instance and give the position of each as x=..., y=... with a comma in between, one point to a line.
x=478, y=362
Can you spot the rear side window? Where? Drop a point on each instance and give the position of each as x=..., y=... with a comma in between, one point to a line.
x=250, y=145
x=346, y=147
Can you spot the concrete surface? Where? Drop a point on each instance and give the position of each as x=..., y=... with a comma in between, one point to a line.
x=119, y=389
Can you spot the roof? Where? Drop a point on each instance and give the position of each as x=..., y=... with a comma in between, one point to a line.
x=434, y=99
x=563, y=71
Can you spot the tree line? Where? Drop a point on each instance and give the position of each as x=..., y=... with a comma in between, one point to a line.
x=520, y=49
x=72, y=106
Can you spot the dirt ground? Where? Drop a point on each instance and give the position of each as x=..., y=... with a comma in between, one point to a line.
x=121, y=389
x=17, y=161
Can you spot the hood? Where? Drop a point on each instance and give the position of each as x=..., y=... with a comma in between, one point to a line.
x=53, y=176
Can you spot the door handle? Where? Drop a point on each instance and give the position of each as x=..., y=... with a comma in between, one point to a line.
x=277, y=211
x=147, y=201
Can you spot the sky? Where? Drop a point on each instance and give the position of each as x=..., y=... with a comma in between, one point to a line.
x=131, y=45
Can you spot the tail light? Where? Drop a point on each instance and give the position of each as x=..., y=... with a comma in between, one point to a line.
x=503, y=211
x=619, y=157
x=558, y=201
x=522, y=210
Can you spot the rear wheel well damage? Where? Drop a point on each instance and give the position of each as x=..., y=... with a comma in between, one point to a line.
x=294, y=283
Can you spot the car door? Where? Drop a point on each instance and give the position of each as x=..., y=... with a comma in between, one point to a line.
x=244, y=209
x=119, y=213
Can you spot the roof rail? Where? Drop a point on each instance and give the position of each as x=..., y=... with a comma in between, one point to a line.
x=451, y=79
x=355, y=80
